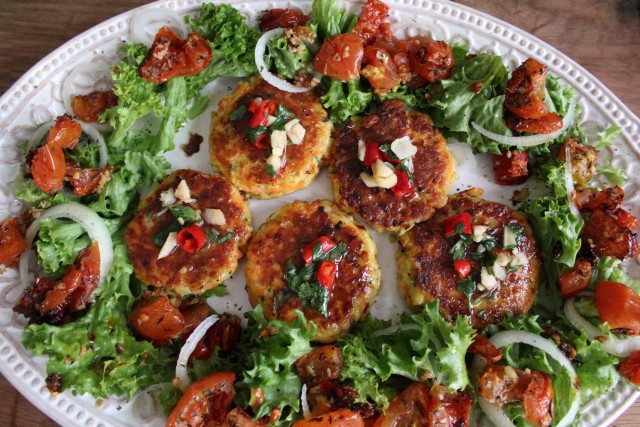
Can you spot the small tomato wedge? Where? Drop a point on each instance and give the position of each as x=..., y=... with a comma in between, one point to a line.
x=462, y=267
x=630, y=368
x=485, y=348
x=165, y=58
x=340, y=57
x=538, y=400
x=327, y=274
x=618, y=305
x=371, y=153
x=403, y=187
x=511, y=167
x=380, y=70
x=157, y=320
x=89, y=107
x=206, y=402
x=65, y=133
x=197, y=54
x=48, y=168
x=339, y=418
x=576, y=279
x=372, y=16
x=12, y=241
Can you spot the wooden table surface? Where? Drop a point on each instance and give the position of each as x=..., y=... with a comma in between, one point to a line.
x=602, y=36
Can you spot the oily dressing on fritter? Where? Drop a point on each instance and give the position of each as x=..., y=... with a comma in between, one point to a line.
x=181, y=273
x=426, y=269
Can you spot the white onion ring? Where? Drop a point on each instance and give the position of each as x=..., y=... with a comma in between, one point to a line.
x=145, y=24
x=182, y=375
x=95, y=76
x=568, y=182
x=529, y=140
x=495, y=413
x=39, y=133
x=617, y=347
x=88, y=220
x=268, y=76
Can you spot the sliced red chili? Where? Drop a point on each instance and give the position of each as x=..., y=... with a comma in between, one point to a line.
x=192, y=238
x=371, y=153
x=403, y=187
x=327, y=274
x=325, y=243
x=462, y=267
x=261, y=112
x=262, y=141
x=450, y=224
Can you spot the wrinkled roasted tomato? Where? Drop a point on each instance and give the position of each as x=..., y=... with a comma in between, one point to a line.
x=157, y=320
x=206, y=402
x=89, y=107
x=371, y=17
x=170, y=56
x=618, y=305
x=12, y=241
x=281, y=18
x=511, y=167
x=430, y=59
x=340, y=56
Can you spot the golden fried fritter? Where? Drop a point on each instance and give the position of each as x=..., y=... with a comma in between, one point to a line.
x=245, y=165
x=426, y=268
x=282, y=237
x=182, y=273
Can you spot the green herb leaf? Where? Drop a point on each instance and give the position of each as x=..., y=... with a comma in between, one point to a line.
x=271, y=170
x=252, y=134
x=238, y=113
x=225, y=238
x=283, y=116
x=185, y=212
x=161, y=236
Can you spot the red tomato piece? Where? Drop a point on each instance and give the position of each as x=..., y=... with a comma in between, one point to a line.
x=206, y=402
x=538, y=400
x=281, y=18
x=511, y=167
x=485, y=348
x=618, y=305
x=260, y=113
x=524, y=95
x=630, y=367
x=340, y=57
x=65, y=132
x=380, y=70
x=450, y=224
x=430, y=59
x=157, y=320
x=327, y=274
x=462, y=267
x=192, y=238
x=170, y=56
x=12, y=241
x=403, y=187
x=339, y=418
x=86, y=180
x=605, y=236
x=548, y=123
x=89, y=107
x=576, y=279
x=371, y=153
x=609, y=199
x=325, y=243
x=48, y=168
x=626, y=219
x=262, y=141
x=408, y=408
x=368, y=25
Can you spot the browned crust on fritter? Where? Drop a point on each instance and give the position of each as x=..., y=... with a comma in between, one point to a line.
x=425, y=267
x=237, y=159
x=434, y=171
x=181, y=273
x=282, y=237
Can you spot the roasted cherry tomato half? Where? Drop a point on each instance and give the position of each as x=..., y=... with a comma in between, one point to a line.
x=12, y=241
x=89, y=107
x=630, y=368
x=576, y=279
x=281, y=18
x=372, y=16
x=339, y=418
x=157, y=320
x=511, y=167
x=340, y=57
x=618, y=305
x=206, y=402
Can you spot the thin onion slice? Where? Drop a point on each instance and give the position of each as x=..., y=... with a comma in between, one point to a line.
x=89, y=129
x=86, y=78
x=568, y=182
x=88, y=220
x=182, y=375
x=271, y=78
x=145, y=24
x=495, y=413
x=618, y=347
x=529, y=140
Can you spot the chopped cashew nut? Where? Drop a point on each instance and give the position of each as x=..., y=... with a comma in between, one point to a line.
x=169, y=245
x=381, y=170
x=403, y=148
x=509, y=238
x=489, y=281
x=214, y=217
x=290, y=124
x=368, y=180
x=167, y=197
x=275, y=162
x=270, y=119
x=478, y=232
x=361, y=150
x=296, y=134
x=278, y=142
x=183, y=193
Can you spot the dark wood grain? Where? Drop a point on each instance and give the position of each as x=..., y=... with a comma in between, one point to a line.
x=602, y=36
